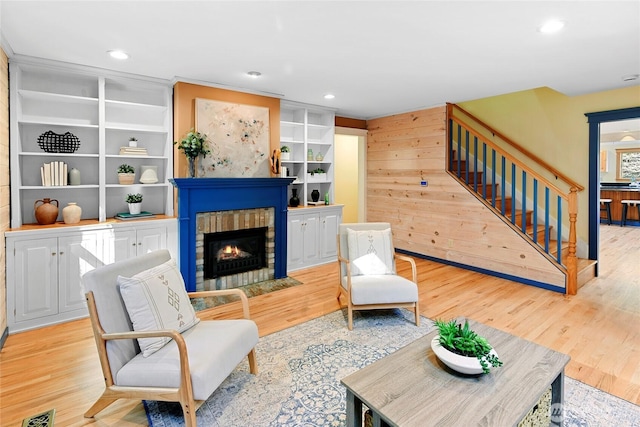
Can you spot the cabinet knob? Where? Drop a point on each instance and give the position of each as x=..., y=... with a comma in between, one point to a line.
x=133, y=244
x=53, y=254
x=139, y=243
x=61, y=252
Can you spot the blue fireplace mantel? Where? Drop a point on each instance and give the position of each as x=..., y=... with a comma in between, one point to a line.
x=221, y=194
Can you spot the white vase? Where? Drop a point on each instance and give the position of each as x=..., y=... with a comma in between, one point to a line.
x=135, y=208
x=71, y=213
x=148, y=174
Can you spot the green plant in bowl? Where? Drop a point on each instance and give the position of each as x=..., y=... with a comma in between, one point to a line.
x=462, y=340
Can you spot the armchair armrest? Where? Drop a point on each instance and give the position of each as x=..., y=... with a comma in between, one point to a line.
x=347, y=264
x=414, y=271
x=237, y=292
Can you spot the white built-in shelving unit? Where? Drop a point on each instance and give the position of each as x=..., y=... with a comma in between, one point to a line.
x=103, y=111
x=308, y=131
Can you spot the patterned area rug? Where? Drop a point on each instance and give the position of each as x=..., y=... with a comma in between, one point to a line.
x=300, y=370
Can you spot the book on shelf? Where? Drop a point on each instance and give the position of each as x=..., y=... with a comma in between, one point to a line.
x=133, y=151
x=128, y=216
x=54, y=174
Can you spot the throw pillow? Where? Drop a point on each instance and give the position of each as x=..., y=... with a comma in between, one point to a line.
x=157, y=299
x=370, y=251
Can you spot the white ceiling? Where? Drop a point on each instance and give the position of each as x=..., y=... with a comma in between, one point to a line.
x=377, y=57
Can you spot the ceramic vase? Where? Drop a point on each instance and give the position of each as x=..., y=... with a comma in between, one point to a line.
x=71, y=213
x=148, y=174
x=315, y=195
x=294, y=201
x=74, y=177
x=46, y=213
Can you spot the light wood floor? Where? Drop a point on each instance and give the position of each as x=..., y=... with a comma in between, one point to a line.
x=57, y=367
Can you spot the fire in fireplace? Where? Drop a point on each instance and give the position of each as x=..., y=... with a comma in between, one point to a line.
x=233, y=252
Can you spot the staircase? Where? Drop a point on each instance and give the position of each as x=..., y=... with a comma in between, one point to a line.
x=542, y=211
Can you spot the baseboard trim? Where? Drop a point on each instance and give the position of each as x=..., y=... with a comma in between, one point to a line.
x=523, y=280
x=3, y=338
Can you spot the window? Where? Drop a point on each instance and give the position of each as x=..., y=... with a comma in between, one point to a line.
x=628, y=164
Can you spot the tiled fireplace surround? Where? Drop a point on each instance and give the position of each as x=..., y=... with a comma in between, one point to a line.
x=237, y=219
x=227, y=202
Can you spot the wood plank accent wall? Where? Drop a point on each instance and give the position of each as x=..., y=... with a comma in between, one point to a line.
x=4, y=184
x=442, y=220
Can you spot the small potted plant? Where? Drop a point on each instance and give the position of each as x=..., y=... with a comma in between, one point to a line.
x=126, y=174
x=133, y=141
x=285, y=153
x=135, y=203
x=463, y=350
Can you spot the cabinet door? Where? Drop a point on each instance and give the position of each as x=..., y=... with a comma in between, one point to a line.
x=119, y=245
x=311, y=231
x=36, y=279
x=151, y=239
x=295, y=241
x=329, y=245
x=76, y=255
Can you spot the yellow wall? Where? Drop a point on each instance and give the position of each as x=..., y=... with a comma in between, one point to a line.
x=346, y=175
x=553, y=126
x=4, y=181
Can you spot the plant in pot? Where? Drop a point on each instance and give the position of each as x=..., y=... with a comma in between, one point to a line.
x=285, y=153
x=462, y=349
x=135, y=203
x=133, y=141
x=126, y=174
x=193, y=145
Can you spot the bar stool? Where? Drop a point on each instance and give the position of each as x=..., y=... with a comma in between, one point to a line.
x=605, y=205
x=625, y=208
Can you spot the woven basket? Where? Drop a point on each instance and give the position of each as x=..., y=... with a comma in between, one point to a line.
x=52, y=142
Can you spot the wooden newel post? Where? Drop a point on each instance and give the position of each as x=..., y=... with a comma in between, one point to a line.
x=572, y=261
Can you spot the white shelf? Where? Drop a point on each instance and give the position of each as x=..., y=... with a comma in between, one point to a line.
x=304, y=128
x=103, y=111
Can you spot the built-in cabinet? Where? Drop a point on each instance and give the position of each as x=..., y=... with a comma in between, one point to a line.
x=311, y=236
x=104, y=112
x=308, y=133
x=45, y=266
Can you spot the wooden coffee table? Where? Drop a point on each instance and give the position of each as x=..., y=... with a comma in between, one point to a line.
x=411, y=387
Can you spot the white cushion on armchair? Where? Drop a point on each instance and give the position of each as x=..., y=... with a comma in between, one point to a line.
x=225, y=341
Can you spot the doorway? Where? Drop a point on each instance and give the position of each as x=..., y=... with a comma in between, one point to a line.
x=350, y=149
x=595, y=120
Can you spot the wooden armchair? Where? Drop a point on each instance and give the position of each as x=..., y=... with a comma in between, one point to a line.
x=187, y=369
x=368, y=278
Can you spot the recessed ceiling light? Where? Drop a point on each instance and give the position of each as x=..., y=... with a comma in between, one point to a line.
x=329, y=96
x=551, y=26
x=118, y=54
x=254, y=74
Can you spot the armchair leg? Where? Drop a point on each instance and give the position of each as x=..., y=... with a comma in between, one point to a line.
x=100, y=404
x=350, y=317
x=189, y=411
x=417, y=314
x=253, y=364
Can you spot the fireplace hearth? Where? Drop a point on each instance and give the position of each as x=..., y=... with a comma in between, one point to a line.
x=233, y=252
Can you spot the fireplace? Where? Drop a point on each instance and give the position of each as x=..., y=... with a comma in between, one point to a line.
x=208, y=205
x=234, y=252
